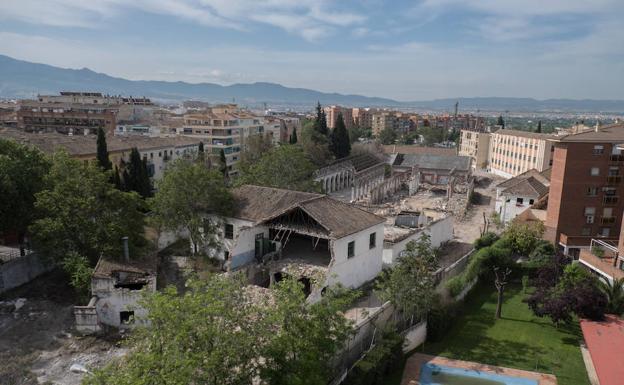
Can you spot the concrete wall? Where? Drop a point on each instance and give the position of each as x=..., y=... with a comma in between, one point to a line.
x=415, y=336
x=21, y=270
x=509, y=210
x=111, y=301
x=242, y=247
x=365, y=265
x=440, y=231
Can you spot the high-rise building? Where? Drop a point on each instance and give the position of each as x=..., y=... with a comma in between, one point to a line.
x=585, y=194
x=223, y=127
x=332, y=113
x=475, y=144
x=513, y=152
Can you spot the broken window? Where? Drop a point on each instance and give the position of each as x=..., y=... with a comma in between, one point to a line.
x=229, y=231
x=351, y=249
x=372, y=241
x=126, y=317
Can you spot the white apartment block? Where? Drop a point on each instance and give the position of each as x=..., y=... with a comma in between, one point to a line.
x=514, y=152
x=223, y=127
x=476, y=145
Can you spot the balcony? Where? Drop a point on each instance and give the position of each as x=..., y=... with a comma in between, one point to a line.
x=610, y=200
x=602, y=257
x=607, y=220
x=611, y=180
x=617, y=158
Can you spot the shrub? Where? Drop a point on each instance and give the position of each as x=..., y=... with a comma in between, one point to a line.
x=440, y=319
x=381, y=360
x=486, y=240
x=455, y=285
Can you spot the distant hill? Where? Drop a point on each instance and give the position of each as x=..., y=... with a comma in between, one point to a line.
x=22, y=79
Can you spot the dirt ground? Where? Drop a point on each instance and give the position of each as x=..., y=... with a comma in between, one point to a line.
x=38, y=344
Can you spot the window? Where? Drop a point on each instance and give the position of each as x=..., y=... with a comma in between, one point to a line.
x=126, y=317
x=531, y=201
x=607, y=212
x=372, y=241
x=229, y=231
x=605, y=231
x=595, y=171
x=351, y=249
x=609, y=191
x=589, y=214
x=586, y=231
x=614, y=171
x=598, y=150
x=519, y=201
x=592, y=191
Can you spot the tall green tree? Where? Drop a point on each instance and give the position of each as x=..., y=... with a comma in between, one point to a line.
x=539, y=127
x=293, y=136
x=22, y=176
x=315, y=145
x=83, y=216
x=283, y=167
x=102, y=150
x=615, y=295
x=320, y=122
x=410, y=284
x=340, y=144
x=500, y=121
x=137, y=178
x=223, y=168
x=387, y=136
x=187, y=194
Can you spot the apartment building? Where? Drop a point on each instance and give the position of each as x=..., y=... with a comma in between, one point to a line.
x=363, y=117
x=383, y=121
x=514, y=152
x=332, y=113
x=223, y=127
x=476, y=145
x=157, y=151
x=586, y=184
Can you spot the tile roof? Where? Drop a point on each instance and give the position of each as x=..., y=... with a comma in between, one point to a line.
x=605, y=342
x=260, y=204
x=527, y=187
x=86, y=145
x=430, y=161
x=412, y=149
x=526, y=134
x=605, y=134
x=106, y=266
x=543, y=177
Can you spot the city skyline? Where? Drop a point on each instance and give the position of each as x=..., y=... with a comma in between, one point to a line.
x=400, y=50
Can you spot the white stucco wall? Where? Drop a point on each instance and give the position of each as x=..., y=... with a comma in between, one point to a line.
x=111, y=301
x=507, y=211
x=440, y=231
x=364, y=266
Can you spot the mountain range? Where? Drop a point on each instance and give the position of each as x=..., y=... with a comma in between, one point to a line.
x=23, y=79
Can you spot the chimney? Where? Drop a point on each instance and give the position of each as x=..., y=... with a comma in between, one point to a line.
x=126, y=251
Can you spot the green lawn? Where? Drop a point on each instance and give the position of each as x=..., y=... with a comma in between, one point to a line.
x=518, y=340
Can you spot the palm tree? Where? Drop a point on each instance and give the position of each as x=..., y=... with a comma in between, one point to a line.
x=615, y=294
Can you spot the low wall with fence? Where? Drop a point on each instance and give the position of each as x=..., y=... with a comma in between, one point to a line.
x=454, y=269
x=20, y=270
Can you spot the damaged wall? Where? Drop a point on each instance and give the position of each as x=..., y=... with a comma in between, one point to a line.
x=19, y=271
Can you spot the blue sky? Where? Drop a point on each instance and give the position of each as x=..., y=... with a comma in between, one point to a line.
x=406, y=50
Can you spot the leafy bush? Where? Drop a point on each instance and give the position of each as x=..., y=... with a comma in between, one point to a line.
x=455, y=285
x=440, y=319
x=381, y=360
x=486, y=240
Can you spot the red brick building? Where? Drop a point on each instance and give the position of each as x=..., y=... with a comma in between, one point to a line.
x=585, y=197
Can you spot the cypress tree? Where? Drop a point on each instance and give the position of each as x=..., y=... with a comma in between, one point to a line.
x=340, y=144
x=501, y=122
x=320, y=123
x=117, y=179
x=223, y=163
x=539, y=127
x=293, y=136
x=102, y=151
x=201, y=156
x=136, y=178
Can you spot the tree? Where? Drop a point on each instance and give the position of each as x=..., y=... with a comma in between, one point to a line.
x=117, y=182
x=200, y=149
x=431, y=135
x=410, y=284
x=501, y=122
x=223, y=167
x=615, y=295
x=293, y=136
x=187, y=194
x=500, y=282
x=22, y=176
x=82, y=214
x=315, y=145
x=524, y=237
x=283, y=167
x=539, y=127
x=102, y=151
x=201, y=154
x=340, y=144
x=137, y=178
x=216, y=334
x=387, y=136
x=320, y=123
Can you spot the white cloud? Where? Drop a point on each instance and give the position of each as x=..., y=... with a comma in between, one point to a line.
x=310, y=19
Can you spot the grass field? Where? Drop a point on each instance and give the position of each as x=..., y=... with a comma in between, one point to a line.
x=518, y=340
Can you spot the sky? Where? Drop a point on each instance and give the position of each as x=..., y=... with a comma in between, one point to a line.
x=404, y=50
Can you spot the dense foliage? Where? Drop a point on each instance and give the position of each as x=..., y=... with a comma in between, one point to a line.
x=217, y=333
